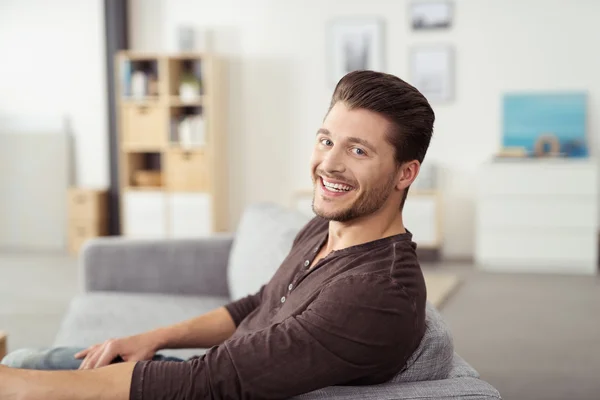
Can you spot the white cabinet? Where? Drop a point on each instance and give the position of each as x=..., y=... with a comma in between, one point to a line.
x=421, y=216
x=145, y=214
x=190, y=215
x=538, y=216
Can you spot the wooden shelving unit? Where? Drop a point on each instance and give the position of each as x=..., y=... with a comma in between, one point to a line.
x=173, y=166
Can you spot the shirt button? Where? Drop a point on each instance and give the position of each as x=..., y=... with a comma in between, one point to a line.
x=316, y=249
x=306, y=263
x=283, y=299
x=291, y=286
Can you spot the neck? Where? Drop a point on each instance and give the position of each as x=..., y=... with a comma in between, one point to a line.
x=381, y=224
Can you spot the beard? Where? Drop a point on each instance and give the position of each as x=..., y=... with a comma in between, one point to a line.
x=367, y=202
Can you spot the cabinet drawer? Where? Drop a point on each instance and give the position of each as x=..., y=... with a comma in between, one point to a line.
x=421, y=217
x=187, y=171
x=547, y=213
x=87, y=204
x=190, y=215
x=572, y=250
x=80, y=231
x=560, y=177
x=144, y=126
x=145, y=214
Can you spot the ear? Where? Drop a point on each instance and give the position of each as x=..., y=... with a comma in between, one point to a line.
x=407, y=174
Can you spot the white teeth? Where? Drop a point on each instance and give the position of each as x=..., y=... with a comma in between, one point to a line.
x=336, y=187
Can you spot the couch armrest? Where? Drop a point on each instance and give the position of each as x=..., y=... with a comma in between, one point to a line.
x=444, y=389
x=176, y=266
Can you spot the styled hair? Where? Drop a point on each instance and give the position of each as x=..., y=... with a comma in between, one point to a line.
x=400, y=103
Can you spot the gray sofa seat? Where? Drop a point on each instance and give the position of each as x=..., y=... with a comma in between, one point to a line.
x=131, y=286
x=94, y=317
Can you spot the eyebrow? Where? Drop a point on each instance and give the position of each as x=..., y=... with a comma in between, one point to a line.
x=351, y=139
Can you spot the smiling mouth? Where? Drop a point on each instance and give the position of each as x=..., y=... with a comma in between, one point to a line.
x=335, y=187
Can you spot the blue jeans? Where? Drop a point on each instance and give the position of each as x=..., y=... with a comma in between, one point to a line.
x=58, y=358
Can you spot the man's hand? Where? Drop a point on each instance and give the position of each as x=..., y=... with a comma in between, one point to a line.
x=133, y=348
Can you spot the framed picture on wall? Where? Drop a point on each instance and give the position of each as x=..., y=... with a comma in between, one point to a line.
x=432, y=71
x=354, y=44
x=430, y=15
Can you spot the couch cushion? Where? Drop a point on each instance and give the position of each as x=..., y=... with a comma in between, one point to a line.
x=263, y=239
x=461, y=369
x=445, y=389
x=433, y=358
x=98, y=316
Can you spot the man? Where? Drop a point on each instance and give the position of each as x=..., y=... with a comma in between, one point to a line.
x=346, y=307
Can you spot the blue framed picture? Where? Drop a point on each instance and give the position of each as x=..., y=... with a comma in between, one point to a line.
x=528, y=118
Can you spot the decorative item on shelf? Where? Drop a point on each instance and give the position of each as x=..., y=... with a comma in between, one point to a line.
x=355, y=44
x=185, y=38
x=547, y=145
x=431, y=15
x=152, y=85
x=512, y=152
x=574, y=148
x=527, y=119
x=189, y=38
x=147, y=178
x=139, y=84
x=189, y=87
x=191, y=131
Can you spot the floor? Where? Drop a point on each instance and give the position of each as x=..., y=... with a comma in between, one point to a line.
x=530, y=336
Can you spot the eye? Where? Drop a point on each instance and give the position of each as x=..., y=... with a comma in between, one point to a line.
x=358, y=151
x=326, y=142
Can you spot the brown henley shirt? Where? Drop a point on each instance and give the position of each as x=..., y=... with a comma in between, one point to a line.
x=353, y=319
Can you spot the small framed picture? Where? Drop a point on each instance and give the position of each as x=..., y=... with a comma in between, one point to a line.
x=354, y=44
x=431, y=15
x=432, y=72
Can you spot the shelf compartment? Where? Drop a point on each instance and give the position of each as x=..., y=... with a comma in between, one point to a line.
x=185, y=78
x=187, y=128
x=139, y=77
x=144, y=171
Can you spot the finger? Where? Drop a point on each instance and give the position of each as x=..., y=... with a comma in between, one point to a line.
x=91, y=358
x=108, y=354
x=85, y=352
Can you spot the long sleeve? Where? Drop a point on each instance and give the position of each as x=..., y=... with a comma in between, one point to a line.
x=241, y=308
x=359, y=326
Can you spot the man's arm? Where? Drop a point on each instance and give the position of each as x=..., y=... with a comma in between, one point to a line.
x=110, y=383
x=205, y=331
x=358, y=327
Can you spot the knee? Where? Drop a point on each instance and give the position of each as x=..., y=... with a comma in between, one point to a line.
x=24, y=358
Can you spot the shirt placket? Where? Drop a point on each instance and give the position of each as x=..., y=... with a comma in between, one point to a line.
x=301, y=274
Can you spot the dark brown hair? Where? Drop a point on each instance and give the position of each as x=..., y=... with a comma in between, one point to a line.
x=403, y=105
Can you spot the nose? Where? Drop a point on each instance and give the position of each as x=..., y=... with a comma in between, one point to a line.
x=333, y=161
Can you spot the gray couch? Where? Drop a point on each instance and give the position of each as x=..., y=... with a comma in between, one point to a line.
x=130, y=286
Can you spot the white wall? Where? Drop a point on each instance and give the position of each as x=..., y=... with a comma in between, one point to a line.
x=52, y=65
x=279, y=89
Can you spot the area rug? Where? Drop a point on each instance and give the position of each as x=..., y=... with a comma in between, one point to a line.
x=440, y=287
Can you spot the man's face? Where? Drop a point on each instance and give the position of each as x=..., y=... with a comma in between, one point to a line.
x=353, y=167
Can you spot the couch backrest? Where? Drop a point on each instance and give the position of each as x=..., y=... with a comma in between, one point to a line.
x=433, y=359
x=264, y=238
